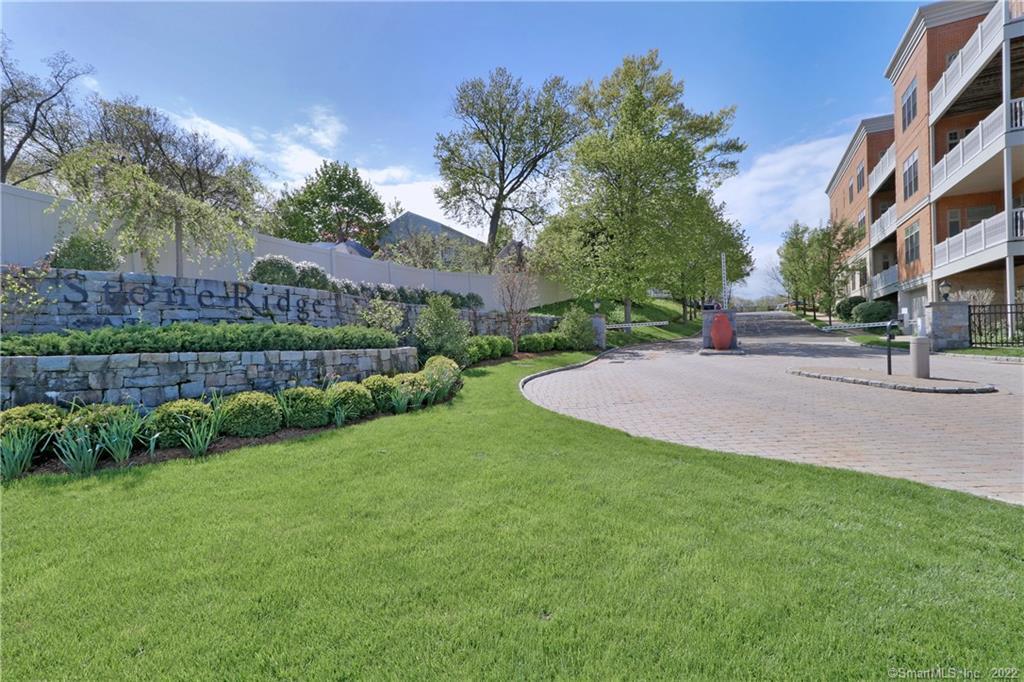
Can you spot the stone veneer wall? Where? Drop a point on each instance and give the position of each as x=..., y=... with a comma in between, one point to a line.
x=88, y=300
x=154, y=378
x=948, y=324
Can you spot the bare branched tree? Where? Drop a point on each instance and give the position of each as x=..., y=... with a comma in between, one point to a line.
x=515, y=292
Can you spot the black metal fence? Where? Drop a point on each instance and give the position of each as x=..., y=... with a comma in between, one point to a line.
x=997, y=326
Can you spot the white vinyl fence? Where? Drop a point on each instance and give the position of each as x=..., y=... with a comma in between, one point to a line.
x=28, y=231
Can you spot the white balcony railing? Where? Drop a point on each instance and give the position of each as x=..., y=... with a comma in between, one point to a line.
x=881, y=228
x=883, y=169
x=988, y=232
x=885, y=279
x=988, y=131
x=969, y=59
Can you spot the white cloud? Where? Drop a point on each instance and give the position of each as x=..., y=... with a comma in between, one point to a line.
x=91, y=83
x=234, y=140
x=388, y=174
x=781, y=186
x=292, y=162
x=324, y=129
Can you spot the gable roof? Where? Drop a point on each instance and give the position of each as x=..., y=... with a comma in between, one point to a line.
x=875, y=124
x=410, y=223
x=930, y=16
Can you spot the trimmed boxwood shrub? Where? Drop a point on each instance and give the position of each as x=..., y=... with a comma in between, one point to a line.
x=170, y=419
x=577, y=329
x=251, y=414
x=84, y=250
x=539, y=343
x=93, y=416
x=414, y=382
x=355, y=397
x=844, y=309
x=42, y=418
x=304, y=407
x=380, y=388
x=194, y=336
x=873, y=311
x=480, y=348
x=273, y=270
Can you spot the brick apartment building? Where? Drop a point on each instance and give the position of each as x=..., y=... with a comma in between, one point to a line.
x=939, y=186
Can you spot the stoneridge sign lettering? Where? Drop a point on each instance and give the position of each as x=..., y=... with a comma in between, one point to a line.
x=241, y=297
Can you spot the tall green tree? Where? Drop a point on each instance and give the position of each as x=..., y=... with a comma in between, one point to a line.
x=829, y=249
x=794, y=263
x=497, y=166
x=637, y=194
x=148, y=183
x=333, y=204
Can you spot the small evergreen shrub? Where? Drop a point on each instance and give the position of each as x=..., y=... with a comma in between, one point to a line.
x=251, y=414
x=440, y=331
x=844, y=309
x=96, y=416
x=273, y=270
x=194, y=336
x=84, y=250
x=304, y=407
x=311, y=276
x=381, y=314
x=43, y=419
x=577, y=329
x=380, y=388
x=539, y=343
x=484, y=347
x=443, y=377
x=169, y=421
x=414, y=382
x=873, y=311
x=356, y=399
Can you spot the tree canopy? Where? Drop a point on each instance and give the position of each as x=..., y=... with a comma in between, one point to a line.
x=496, y=167
x=333, y=204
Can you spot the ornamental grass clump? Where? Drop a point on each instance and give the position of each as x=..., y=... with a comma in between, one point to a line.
x=380, y=388
x=76, y=449
x=167, y=421
x=399, y=399
x=118, y=434
x=17, y=445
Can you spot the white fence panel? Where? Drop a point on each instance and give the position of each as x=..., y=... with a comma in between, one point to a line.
x=29, y=230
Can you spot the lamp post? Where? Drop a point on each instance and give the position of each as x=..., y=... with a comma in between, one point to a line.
x=944, y=288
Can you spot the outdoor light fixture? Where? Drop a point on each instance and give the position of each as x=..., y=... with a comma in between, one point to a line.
x=944, y=288
x=597, y=305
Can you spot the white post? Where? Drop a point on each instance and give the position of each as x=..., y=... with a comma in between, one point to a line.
x=1007, y=152
x=725, y=284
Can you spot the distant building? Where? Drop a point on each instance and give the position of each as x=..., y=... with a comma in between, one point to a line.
x=409, y=223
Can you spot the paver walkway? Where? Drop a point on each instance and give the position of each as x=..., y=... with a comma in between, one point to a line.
x=750, y=405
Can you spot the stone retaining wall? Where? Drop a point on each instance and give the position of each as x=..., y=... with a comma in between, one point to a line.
x=153, y=378
x=88, y=300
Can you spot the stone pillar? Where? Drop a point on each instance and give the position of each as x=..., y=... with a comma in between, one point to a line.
x=600, y=331
x=949, y=324
x=709, y=316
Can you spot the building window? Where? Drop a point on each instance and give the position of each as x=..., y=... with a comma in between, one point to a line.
x=976, y=214
x=860, y=177
x=851, y=191
x=950, y=56
x=953, y=221
x=912, y=244
x=952, y=139
x=909, y=106
x=862, y=221
x=910, y=176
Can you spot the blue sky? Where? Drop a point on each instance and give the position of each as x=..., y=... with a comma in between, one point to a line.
x=291, y=83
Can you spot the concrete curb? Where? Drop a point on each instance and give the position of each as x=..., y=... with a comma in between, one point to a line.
x=983, y=388
x=872, y=347
x=1004, y=359
x=564, y=368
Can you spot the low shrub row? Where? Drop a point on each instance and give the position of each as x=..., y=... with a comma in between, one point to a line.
x=81, y=436
x=480, y=348
x=284, y=271
x=872, y=311
x=844, y=309
x=194, y=336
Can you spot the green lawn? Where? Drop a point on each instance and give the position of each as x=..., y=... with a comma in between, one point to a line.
x=1005, y=352
x=654, y=310
x=490, y=538
x=876, y=340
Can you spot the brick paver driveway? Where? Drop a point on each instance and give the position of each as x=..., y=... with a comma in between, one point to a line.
x=748, y=404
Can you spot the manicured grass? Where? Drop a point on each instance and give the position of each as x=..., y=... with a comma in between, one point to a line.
x=490, y=538
x=654, y=310
x=1005, y=352
x=875, y=340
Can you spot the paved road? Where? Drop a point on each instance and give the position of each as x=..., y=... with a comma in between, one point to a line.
x=748, y=404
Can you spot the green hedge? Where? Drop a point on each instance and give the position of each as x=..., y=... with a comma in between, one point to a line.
x=873, y=311
x=193, y=336
x=539, y=343
x=483, y=347
x=304, y=407
x=251, y=414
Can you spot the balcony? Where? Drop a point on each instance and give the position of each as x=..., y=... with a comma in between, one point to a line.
x=988, y=138
x=958, y=249
x=976, y=53
x=885, y=282
x=884, y=226
x=882, y=170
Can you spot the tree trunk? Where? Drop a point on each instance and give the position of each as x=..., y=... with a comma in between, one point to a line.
x=627, y=315
x=179, y=256
x=492, y=229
